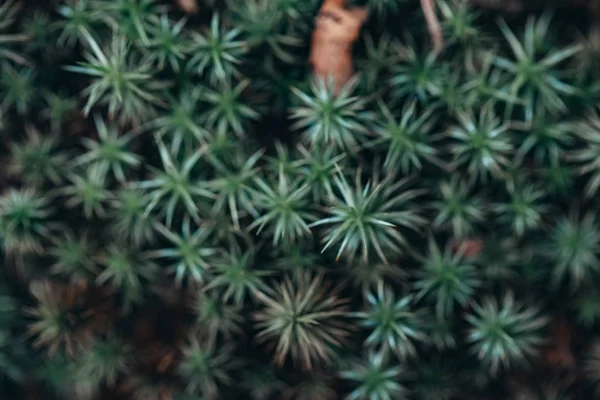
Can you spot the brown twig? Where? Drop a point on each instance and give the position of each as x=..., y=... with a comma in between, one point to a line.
x=433, y=25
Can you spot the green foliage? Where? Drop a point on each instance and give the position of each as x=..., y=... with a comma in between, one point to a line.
x=236, y=274
x=205, y=366
x=190, y=250
x=180, y=124
x=24, y=216
x=217, y=316
x=105, y=360
x=363, y=218
x=87, y=190
x=283, y=208
x=456, y=209
x=73, y=256
x=327, y=119
x=225, y=110
x=110, y=153
x=217, y=52
x=173, y=186
x=505, y=333
x=187, y=212
x=120, y=80
x=8, y=14
x=127, y=270
x=38, y=159
x=481, y=144
x=572, y=249
x=446, y=278
x=533, y=69
x=408, y=142
x=304, y=317
x=376, y=378
x=18, y=88
x=391, y=323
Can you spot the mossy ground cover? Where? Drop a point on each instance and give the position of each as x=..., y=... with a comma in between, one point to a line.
x=186, y=212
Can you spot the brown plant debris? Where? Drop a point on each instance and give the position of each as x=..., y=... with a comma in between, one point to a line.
x=188, y=6
x=433, y=25
x=336, y=30
x=559, y=353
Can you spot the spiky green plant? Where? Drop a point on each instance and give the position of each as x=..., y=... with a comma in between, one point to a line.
x=206, y=366
x=13, y=356
x=73, y=256
x=588, y=131
x=416, y=75
x=391, y=322
x=456, y=208
x=79, y=20
x=126, y=269
x=304, y=317
x=328, y=119
x=86, y=190
x=8, y=14
x=571, y=249
x=105, y=359
x=534, y=72
x=63, y=377
x=368, y=217
x=110, y=153
x=317, y=169
x=190, y=250
x=24, y=221
x=375, y=378
x=545, y=138
x=233, y=182
x=173, y=186
x=57, y=321
x=18, y=88
x=446, y=278
x=225, y=109
x=236, y=275
x=263, y=24
x=60, y=107
x=409, y=141
x=284, y=160
x=166, y=45
x=120, y=80
x=180, y=125
x=133, y=17
x=505, y=333
x=283, y=208
x=587, y=308
x=218, y=52
x=129, y=220
x=38, y=159
x=485, y=82
x=41, y=35
x=460, y=24
x=380, y=57
x=217, y=316
x=481, y=144
x=525, y=209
